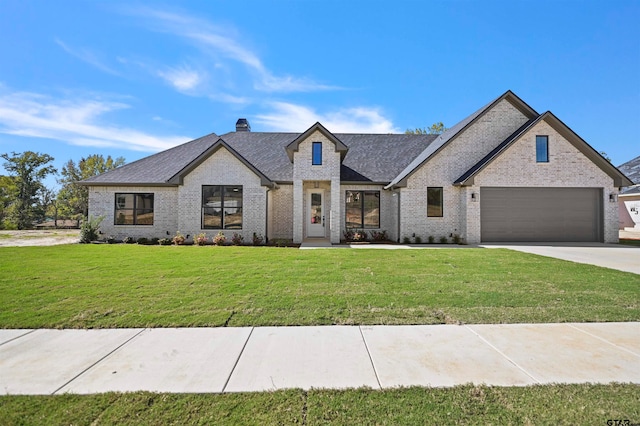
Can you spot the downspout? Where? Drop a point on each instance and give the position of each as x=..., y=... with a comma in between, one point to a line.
x=398, y=192
x=266, y=216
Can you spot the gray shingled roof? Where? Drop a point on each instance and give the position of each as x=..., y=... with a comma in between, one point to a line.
x=632, y=170
x=371, y=157
x=156, y=169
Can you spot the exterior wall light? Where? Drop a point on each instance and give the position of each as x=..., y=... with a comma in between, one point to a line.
x=474, y=196
x=613, y=198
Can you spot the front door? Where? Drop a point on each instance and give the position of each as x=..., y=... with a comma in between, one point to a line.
x=315, y=214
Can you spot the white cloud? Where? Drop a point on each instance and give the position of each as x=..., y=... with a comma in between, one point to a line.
x=183, y=78
x=75, y=122
x=87, y=56
x=288, y=117
x=216, y=41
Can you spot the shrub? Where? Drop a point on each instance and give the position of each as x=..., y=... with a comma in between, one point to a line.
x=237, y=239
x=379, y=235
x=355, y=235
x=219, y=239
x=165, y=241
x=178, y=239
x=89, y=229
x=200, y=239
x=443, y=240
x=109, y=239
x=406, y=240
x=418, y=240
x=456, y=239
x=129, y=240
x=154, y=240
x=280, y=242
x=143, y=241
x=257, y=239
x=431, y=239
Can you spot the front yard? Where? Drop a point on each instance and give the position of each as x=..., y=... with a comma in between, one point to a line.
x=147, y=286
x=101, y=286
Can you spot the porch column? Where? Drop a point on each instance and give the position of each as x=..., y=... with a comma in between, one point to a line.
x=336, y=211
x=298, y=211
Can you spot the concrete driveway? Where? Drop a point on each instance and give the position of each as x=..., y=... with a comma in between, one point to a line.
x=614, y=256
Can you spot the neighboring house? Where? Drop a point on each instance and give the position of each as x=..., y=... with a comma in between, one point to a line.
x=505, y=173
x=629, y=198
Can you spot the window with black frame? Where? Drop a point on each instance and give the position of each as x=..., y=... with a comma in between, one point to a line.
x=434, y=202
x=362, y=209
x=133, y=209
x=222, y=207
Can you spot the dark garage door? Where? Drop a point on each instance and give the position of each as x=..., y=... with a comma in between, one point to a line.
x=541, y=214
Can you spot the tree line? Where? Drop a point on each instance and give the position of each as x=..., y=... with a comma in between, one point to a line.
x=26, y=201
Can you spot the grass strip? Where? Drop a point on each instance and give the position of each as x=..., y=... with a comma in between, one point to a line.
x=467, y=404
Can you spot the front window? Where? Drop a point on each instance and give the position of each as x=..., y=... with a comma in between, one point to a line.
x=133, y=209
x=434, y=202
x=542, y=149
x=316, y=153
x=362, y=209
x=222, y=207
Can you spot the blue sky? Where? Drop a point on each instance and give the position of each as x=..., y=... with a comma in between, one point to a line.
x=132, y=78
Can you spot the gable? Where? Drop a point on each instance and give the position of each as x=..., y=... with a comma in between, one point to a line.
x=178, y=178
x=294, y=146
x=460, y=129
x=564, y=158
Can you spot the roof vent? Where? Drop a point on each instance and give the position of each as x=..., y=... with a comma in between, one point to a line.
x=242, y=125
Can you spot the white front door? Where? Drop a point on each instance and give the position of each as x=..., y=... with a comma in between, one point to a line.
x=315, y=213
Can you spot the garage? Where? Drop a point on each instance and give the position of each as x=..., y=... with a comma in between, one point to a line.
x=541, y=214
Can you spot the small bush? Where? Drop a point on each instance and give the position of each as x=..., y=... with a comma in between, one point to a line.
x=219, y=239
x=443, y=240
x=280, y=242
x=257, y=239
x=456, y=239
x=178, y=239
x=237, y=239
x=355, y=235
x=89, y=229
x=109, y=239
x=418, y=240
x=431, y=239
x=165, y=241
x=129, y=240
x=200, y=239
x=154, y=241
x=379, y=235
x=406, y=240
x=143, y=241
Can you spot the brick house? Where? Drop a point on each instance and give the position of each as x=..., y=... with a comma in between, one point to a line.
x=504, y=173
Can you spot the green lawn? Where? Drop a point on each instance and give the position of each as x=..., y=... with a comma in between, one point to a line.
x=78, y=286
x=557, y=404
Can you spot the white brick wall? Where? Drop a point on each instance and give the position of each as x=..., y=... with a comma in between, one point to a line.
x=165, y=215
x=567, y=167
x=448, y=165
x=304, y=171
x=222, y=168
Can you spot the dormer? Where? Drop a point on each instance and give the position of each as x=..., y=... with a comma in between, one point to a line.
x=316, y=154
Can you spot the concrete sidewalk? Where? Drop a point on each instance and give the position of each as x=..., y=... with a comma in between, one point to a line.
x=270, y=358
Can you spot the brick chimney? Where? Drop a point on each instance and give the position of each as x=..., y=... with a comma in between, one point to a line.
x=242, y=125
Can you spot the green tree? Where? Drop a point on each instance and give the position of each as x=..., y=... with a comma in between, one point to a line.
x=28, y=169
x=8, y=192
x=606, y=156
x=435, y=129
x=73, y=199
